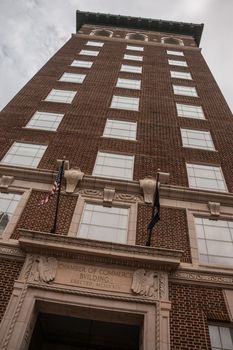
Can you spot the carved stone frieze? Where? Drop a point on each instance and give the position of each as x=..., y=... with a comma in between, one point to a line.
x=109, y=193
x=145, y=283
x=6, y=181
x=72, y=176
x=125, y=197
x=44, y=269
x=11, y=252
x=203, y=277
x=91, y=193
x=148, y=185
x=214, y=209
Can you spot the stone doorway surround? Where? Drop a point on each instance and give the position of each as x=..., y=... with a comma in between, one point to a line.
x=76, y=277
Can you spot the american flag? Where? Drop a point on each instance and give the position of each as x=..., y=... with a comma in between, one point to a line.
x=56, y=186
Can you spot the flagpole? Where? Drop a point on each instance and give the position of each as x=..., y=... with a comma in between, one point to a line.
x=53, y=230
x=148, y=243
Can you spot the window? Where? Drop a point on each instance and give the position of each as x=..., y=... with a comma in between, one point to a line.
x=102, y=32
x=177, y=63
x=24, y=154
x=63, y=96
x=45, y=121
x=134, y=48
x=172, y=41
x=118, y=166
x=197, y=139
x=8, y=204
x=188, y=111
x=81, y=64
x=133, y=58
x=120, y=129
x=131, y=69
x=137, y=36
x=128, y=84
x=181, y=75
x=89, y=53
x=104, y=223
x=215, y=241
x=127, y=103
x=175, y=53
x=73, y=77
x=206, y=177
x=221, y=337
x=94, y=43
x=185, y=90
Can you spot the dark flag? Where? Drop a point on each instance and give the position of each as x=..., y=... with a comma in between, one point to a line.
x=155, y=216
x=56, y=186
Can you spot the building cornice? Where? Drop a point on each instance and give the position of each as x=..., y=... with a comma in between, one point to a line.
x=139, y=23
x=33, y=242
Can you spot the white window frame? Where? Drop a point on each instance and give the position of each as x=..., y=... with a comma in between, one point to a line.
x=181, y=75
x=175, y=53
x=196, y=181
x=134, y=48
x=125, y=103
x=89, y=53
x=182, y=109
x=52, y=120
x=125, y=83
x=9, y=202
x=120, y=129
x=185, y=90
x=131, y=69
x=133, y=58
x=72, y=77
x=203, y=139
x=67, y=96
x=81, y=64
x=177, y=63
x=214, y=241
x=94, y=43
x=105, y=163
x=17, y=147
x=220, y=342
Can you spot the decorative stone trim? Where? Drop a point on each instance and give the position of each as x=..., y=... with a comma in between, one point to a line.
x=214, y=209
x=66, y=164
x=196, y=276
x=6, y=181
x=109, y=193
x=73, y=176
x=10, y=251
x=148, y=185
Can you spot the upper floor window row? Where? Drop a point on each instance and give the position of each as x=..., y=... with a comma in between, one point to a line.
x=131, y=69
x=23, y=154
x=127, y=103
x=185, y=90
x=62, y=96
x=177, y=63
x=135, y=48
x=94, y=43
x=89, y=53
x=172, y=41
x=181, y=75
x=133, y=58
x=175, y=53
x=128, y=84
x=120, y=129
x=197, y=139
x=73, y=78
x=81, y=64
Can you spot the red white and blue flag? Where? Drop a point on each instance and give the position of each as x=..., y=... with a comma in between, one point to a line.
x=55, y=187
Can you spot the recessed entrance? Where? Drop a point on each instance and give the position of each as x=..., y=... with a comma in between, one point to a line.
x=57, y=332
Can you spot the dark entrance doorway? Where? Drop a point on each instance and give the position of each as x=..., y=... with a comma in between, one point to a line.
x=56, y=332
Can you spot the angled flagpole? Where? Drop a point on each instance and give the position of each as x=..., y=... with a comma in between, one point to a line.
x=155, y=214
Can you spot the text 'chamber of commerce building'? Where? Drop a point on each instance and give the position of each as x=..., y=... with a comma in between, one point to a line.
x=116, y=195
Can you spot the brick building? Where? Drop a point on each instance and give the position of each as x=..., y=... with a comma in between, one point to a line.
x=121, y=99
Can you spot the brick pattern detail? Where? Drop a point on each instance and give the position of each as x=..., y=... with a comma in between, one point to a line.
x=192, y=308
x=9, y=271
x=41, y=218
x=170, y=232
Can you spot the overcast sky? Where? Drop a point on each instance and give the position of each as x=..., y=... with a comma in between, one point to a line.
x=32, y=30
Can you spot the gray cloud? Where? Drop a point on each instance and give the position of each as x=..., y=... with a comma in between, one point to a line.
x=32, y=30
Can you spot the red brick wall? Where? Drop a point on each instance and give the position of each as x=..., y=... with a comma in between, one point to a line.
x=158, y=139
x=9, y=271
x=41, y=218
x=170, y=232
x=192, y=308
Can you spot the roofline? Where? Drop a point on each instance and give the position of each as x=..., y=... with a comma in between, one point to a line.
x=157, y=25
